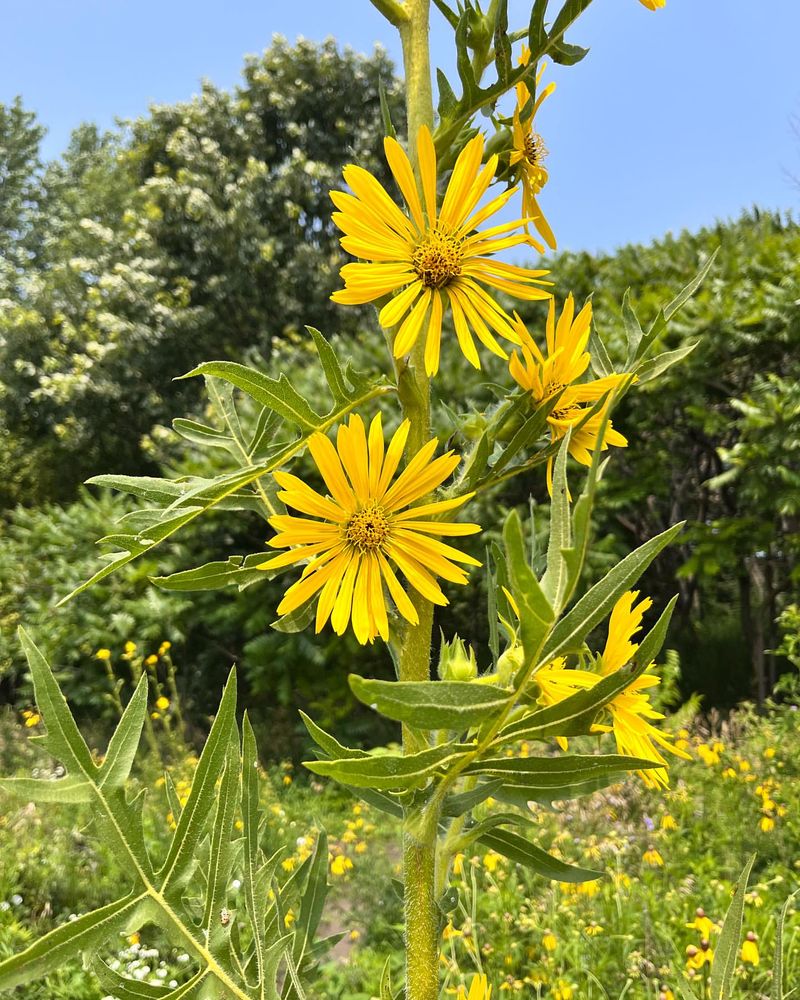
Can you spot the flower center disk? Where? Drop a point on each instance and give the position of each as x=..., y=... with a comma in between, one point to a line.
x=367, y=528
x=437, y=260
x=535, y=150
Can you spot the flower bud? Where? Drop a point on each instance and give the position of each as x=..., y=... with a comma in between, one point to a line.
x=455, y=662
x=508, y=664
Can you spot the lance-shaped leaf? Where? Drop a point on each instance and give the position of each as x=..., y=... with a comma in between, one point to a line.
x=563, y=771
x=124, y=743
x=238, y=571
x=195, y=814
x=329, y=745
x=457, y=705
x=556, y=576
x=656, y=366
x=777, y=991
x=221, y=851
x=389, y=770
x=312, y=901
x=727, y=951
x=255, y=901
x=463, y=802
x=568, y=635
x=518, y=849
x=536, y=614
x=85, y=933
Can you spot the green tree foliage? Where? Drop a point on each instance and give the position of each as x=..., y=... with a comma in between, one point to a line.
x=203, y=231
x=20, y=137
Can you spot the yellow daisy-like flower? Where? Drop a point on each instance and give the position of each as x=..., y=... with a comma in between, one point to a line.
x=749, y=952
x=364, y=524
x=653, y=858
x=529, y=151
x=479, y=989
x=567, y=361
x=653, y=4
x=630, y=710
x=434, y=257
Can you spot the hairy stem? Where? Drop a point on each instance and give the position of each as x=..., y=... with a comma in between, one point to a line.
x=419, y=833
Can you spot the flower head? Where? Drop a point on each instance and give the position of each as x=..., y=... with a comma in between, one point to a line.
x=653, y=858
x=702, y=923
x=103, y=654
x=528, y=152
x=750, y=949
x=653, y=4
x=557, y=374
x=433, y=258
x=365, y=524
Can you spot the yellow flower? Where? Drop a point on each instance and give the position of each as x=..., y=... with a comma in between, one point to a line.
x=769, y=753
x=593, y=929
x=366, y=521
x=432, y=257
x=653, y=4
x=31, y=719
x=556, y=682
x=491, y=860
x=529, y=151
x=341, y=865
x=151, y=660
x=549, y=941
x=562, y=991
x=162, y=703
x=458, y=865
x=165, y=647
x=479, y=989
x=130, y=647
x=289, y=919
x=653, y=858
x=624, y=623
x=702, y=923
x=750, y=949
x=767, y=824
x=567, y=361
x=103, y=654
x=696, y=958
x=451, y=932
x=668, y=822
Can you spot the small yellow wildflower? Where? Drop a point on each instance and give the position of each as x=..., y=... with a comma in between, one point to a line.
x=653, y=4
x=593, y=929
x=767, y=824
x=134, y=938
x=31, y=718
x=289, y=919
x=162, y=703
x=491, y=861
x=288, y=864
x=341, y=865
x=702, y=923
x=451, y=932
x=562, y=991
x=696, y=958
x=155, y=716
x=549, y=941
x=164, y=648
x=729, y=773
x=750, y=949
x=354, y=935
x=668, y=822
x=103, y=654
x=707, y=754
x=653, y=858
x=287, y=780
x=769, y=753
x=458, y=865
x=151, y=660
x=130, y=647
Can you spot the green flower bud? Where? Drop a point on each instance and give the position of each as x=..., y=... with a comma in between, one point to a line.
x=508, y=664
x=456, y=663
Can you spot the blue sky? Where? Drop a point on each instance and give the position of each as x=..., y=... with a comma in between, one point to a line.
x=674, y=119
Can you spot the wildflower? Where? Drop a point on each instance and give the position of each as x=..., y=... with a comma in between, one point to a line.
x=696, y=958
x=750, y=949
x=653, y=858
x=529, y=151
x=155, y=715
x=162, y=703
x=623, y=625
x=557, y=375
x=562, y=991
x=361, y=847
x=668, y=822
x=491, y=861
x=593, y=929
x=767, y=824
x=479, y=989
x=769, y=753
x=340, y=865
x=287, y=780
x=164, y=648
x=458, y=865
x=365, y=522
x=451, y=932
x=354, y=935
x=556, y=682
x=103, y=654
x=31, y=718
x=549, y=941
x=653, y=4
x=130, y=647
x=289, y=919
x=666, y=994
x=431, y=257
x=702, y=923
x=288, y=864
x=151, y=660
x=729, y=773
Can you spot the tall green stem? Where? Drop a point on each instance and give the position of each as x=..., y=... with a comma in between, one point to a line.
x=419, y=833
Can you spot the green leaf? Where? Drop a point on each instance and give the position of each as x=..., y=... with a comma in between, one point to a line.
x=536, y=614
x=448, y=101
x=522, y=851
x=389, y=770
x=71, y=789
x=133, y=989
x=67, y=941
x=194, y=817
x=726, y=953
x=313, y=899
x=558, y=772
x=458, y=705
x=63, y=739
x=656, y=366
x=502, y=45
x=385, y=986
x=688, y=290
x=594, y=606
x=327, y=743
x=633, y=328
x=464, y=802
x=237, y=571
x=202, y=434
x=297, y=620
x=345, y=384
x=221, y=854
x=777, y=990
x=255, y=901
x=386, y=115
x=122, y=746
x=556, y=577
